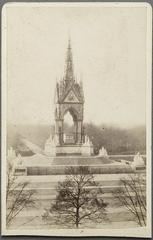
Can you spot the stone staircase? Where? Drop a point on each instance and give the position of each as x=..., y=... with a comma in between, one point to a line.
x=45, y=187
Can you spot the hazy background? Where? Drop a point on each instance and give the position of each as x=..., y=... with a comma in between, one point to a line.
x=109, y=49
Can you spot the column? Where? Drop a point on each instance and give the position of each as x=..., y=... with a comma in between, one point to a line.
x=79, y=132
x=75, y=131
x=59, y=131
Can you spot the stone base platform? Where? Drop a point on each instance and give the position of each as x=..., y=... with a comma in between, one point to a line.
x=80, y=160
x=64, y=170
x=43, y=165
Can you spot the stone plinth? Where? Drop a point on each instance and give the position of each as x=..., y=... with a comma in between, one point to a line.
x=44, y=165
x=87, y=150
x=54, y=148
x=66, y=150
x=138, y=162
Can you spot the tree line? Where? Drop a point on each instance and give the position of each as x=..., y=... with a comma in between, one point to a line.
x=116, y=140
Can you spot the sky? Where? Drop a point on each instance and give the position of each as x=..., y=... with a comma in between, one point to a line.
x=109, y=53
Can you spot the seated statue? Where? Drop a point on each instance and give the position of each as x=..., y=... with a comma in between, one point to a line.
x=138, y=160
x=49, y=140
x=87, y=141
x=103, y=152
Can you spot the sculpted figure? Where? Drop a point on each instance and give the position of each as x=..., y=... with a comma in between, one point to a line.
x=103, y=152
x=138, y=160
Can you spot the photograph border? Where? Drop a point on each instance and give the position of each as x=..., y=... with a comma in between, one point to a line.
x=143, y=232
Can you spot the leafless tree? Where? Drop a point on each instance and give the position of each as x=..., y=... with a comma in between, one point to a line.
x=17, y=196
x=132, y=195
x=78, y=199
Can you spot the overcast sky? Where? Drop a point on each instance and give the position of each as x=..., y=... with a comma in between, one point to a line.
x=109, y=51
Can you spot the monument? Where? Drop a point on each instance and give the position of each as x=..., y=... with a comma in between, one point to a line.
x=69, y=97
x=67, y=148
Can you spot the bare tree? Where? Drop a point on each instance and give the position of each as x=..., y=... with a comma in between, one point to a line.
x=17, y=196
x=78, y=199
x=132, y=195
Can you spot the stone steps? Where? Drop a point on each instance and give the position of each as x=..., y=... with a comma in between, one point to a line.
x=44, y=226
x=50, y=182
x=56, y=178
x=34, y=220
x=39, y=211
x=45, y=187
x=50, y=191
x=54, y=184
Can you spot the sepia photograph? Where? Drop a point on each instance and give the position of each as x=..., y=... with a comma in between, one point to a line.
x=76, y=119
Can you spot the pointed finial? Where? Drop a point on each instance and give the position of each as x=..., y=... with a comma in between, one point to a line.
x=81, y=77
x=69, y=76
x=69, y=43
x=69, y=35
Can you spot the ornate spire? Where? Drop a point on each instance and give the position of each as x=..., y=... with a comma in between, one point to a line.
x=69, y=75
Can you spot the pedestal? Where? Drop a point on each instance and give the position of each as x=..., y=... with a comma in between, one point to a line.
x=68, y=150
